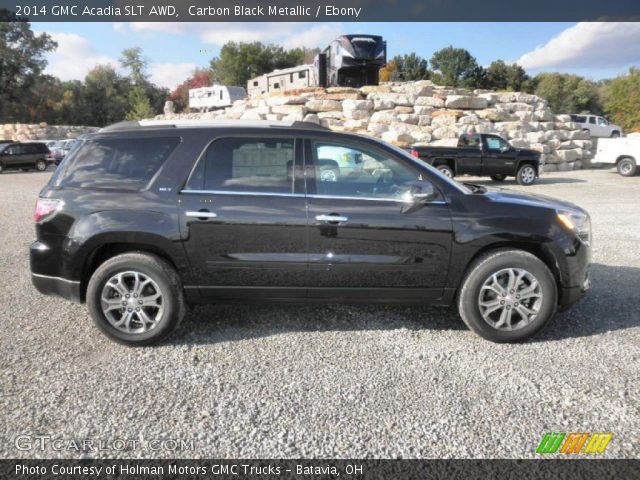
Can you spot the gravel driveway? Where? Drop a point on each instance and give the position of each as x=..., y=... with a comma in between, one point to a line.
x=326, y=381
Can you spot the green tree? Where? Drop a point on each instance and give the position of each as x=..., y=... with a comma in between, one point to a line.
x=506, y=76
x=133, y=60
x=456, y=67
x=21, y=63
x=106, y=94
x=410, y=67
x=567, y=93
x=139, y=105
x=621, y=98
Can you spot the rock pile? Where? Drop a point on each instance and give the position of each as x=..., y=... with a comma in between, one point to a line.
x=22, y=132
x=422, y=113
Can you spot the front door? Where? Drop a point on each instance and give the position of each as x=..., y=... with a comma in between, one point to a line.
x=363, y=238
x=498, y=156
x=243, y=218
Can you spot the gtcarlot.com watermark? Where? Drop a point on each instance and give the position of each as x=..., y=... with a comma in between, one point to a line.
x=29, y=442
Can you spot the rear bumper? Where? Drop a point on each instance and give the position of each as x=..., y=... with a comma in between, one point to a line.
x=56, y=286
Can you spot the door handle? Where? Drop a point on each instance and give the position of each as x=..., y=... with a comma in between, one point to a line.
x=332, y=218
x=203, y=214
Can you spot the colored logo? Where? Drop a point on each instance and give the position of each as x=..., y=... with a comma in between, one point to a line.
x=585, y=442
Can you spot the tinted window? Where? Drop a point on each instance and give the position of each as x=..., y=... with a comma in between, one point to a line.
x=127, y=163
x=246, y=165
x=470, y=141
x=579, y=118
x=592, y=120
x=345, y=170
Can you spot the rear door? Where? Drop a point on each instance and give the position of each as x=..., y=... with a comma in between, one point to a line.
x=363, y=240
x=498, y=157
x=243, y=215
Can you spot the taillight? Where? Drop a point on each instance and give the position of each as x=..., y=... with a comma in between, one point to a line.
x=415, y=153
x=45, y=207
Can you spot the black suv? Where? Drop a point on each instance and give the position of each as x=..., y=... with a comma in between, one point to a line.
x=144, y=218
x=23, y=156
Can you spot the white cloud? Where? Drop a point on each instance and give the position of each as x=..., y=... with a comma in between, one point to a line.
x=288, y=34
x=74, y=57
x=588, y=45
x=170, y=75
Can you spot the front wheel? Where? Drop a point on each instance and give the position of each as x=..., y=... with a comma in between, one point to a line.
x=507, y=296
x=446, y=170
x=526, y=174
x=136, y=299
x=615, y=134
x=41, y=165
x=498, y=178
x=627, y=167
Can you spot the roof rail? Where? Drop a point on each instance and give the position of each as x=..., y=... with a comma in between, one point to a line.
x=197, y=123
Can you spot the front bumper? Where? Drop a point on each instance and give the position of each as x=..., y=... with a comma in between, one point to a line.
x=570, y=295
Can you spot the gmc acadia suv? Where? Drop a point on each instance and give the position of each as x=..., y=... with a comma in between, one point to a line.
x=144, y=218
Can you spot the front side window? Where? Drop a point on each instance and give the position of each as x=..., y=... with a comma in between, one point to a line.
x=246, y=165
x=121, y=163
x=496, y=144
x=353, y=171
x=602, y=122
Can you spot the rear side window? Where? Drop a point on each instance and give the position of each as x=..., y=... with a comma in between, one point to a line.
x=246, y=165
x=122, y=163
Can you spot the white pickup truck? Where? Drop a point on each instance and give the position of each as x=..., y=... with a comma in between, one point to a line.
x=624, y=153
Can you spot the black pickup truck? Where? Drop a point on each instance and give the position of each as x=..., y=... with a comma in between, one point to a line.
x=482, y=155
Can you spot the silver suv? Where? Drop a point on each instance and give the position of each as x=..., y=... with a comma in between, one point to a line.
x=597, y=126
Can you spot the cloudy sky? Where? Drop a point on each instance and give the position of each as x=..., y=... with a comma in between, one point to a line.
x=173, y=50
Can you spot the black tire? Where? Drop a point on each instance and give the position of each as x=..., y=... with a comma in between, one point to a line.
x=627, y=167
x=165, y=277
x=446, y=170
x=481, y=270
x=615, y=134
x=526, y=174
x=498, y=178
x=1, y=168
x=41, y=165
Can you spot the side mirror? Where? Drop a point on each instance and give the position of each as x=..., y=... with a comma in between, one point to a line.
x=422, y=192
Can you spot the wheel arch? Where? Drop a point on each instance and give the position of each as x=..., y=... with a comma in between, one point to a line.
x=622, y=157
x=108, y=250
x=537, y=250
x=450, y=162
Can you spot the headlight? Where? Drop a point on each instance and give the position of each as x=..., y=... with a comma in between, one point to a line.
x=577, y=222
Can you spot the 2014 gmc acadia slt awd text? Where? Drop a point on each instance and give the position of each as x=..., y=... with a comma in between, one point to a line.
x=144, y=218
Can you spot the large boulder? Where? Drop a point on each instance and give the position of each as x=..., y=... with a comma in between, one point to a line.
x=468, y=102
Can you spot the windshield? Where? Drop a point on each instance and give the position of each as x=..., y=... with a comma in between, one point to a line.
x=458, y=186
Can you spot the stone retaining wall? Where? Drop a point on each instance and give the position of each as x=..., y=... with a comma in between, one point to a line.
x=23, y=132
x=422, y=113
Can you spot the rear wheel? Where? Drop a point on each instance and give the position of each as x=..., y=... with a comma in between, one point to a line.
x=446, y=170
x=41, y=165
x=507, y=296
x=498, y=178
x=526, y=174
x=615, y=134
x=627, y=167
x=136, y=299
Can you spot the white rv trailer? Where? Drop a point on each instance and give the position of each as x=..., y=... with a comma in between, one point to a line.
x=217, y=96
x=292, y=78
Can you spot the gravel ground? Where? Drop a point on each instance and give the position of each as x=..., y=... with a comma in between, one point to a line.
x=327, y=381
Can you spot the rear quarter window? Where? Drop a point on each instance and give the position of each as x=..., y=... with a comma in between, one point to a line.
x=119, y=163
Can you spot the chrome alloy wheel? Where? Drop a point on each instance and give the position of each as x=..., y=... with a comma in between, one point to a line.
x=510, y=299
x=132, y=302
x=528, y=175
x=625, y=167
